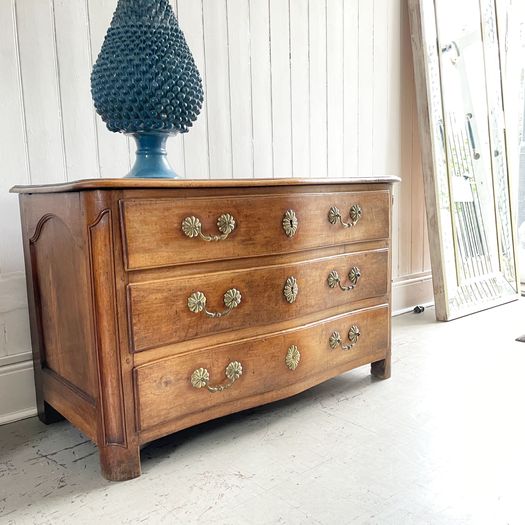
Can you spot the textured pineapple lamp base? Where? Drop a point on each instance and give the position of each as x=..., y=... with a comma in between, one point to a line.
x=152, y=159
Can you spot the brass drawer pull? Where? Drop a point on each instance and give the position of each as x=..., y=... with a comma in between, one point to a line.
x=353, y=276
x=353, y=336
x=197, y=303
x=192, y=227
x=356, y=212
x=293, y=356
x=201, y=377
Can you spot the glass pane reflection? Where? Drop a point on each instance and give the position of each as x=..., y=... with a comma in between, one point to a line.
x=481, y=262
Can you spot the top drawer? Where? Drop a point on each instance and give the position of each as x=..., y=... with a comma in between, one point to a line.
x=170, y=231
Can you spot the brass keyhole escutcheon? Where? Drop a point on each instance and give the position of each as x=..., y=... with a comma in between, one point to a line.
x=290, y=223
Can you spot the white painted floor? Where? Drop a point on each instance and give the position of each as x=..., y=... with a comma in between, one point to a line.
x=441, y=442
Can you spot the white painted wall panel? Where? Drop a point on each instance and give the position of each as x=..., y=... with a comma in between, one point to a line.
x=196, y=152
x=351, y=88
x=281, y=89
x=17, y=392
x=381, y=86
x=218, y=88
x=13, y=150
x=238, y=21
x=15, y=340
x=365, y=110
x=293, y=88
x=73, y=67
x=300, y=86
x=396, y=55
x=41, y=90
x=335, y=86
x=14, y=321
x=261, y=89
x=318, y=91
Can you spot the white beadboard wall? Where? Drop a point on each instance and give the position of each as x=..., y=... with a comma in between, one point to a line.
x=302, y=88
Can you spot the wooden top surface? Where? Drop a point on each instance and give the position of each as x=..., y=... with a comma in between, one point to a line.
x=125, y=184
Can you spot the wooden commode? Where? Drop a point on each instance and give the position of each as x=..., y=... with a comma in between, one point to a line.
x=158, y=304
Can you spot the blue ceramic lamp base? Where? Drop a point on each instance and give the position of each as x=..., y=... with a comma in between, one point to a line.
x=152, y=159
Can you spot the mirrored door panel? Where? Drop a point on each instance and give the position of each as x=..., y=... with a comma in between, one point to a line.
x=462, y=128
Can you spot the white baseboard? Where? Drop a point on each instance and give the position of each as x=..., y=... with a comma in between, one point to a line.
x=17, y=358
x=17, y=392
x=17, y=416
x=410, y=291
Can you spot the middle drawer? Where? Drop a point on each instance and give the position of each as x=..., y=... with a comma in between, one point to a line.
x=173, y=310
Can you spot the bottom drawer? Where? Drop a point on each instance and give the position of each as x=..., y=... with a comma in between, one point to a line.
x=202, y=380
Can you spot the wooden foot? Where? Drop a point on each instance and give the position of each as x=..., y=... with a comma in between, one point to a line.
x=119, y=463
x=381, y=369
x=47, y=414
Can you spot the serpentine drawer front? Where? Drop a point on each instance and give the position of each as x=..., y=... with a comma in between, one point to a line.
x=175, y=387
x=159, y=304
x=172, y=310
x=164, y=232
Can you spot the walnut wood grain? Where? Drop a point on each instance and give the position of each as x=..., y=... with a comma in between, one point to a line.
x=159, y=309
x=236, y=405
x=116, y=435
x=153, y=235
x=70, y=401
x=89, y=313
x=188, y=345
x=106, y=328
x=382, y=369
x=252, y=262
x=120, y=184
x=46, y=413
x=58, y=278
x=164, y=391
